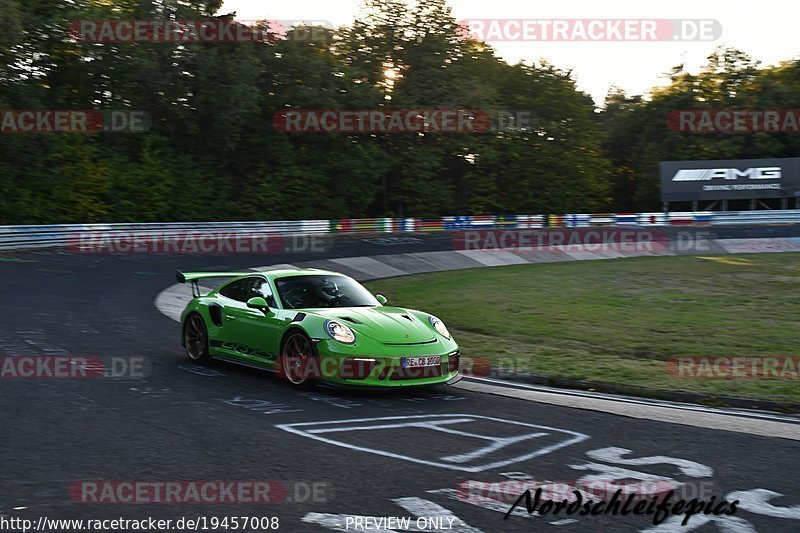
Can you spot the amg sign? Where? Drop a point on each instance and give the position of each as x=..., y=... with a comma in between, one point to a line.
x=730, y=179
x=704, y=174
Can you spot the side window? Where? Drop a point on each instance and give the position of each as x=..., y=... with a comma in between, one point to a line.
x=259, y=287
x=251, y=288
x=266, y=292
x=245, y=289
x=235, y=290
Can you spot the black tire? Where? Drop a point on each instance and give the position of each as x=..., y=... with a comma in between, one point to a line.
x=195, y=339
x=298, y=360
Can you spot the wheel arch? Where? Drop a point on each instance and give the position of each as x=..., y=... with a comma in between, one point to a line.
x=296, y=328
x=184, y=320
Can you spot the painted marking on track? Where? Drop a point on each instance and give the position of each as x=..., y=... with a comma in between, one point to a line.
x=264, y=407
x=446, y=397
x=335, y=401
x=539, y=440
x=426, y=508
x=489, y=504
x=614, y=455
x=755, y=501
x=422, y=509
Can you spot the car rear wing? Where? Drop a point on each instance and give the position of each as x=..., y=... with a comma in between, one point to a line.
x=194, y=277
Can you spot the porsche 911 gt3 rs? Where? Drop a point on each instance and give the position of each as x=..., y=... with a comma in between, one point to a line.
x=315, y=326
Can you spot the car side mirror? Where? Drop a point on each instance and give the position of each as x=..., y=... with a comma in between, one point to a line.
x=257, y=302
x=381, y=298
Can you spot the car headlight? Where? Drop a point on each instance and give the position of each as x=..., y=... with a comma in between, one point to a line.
x=439, y=326
x=340, y=332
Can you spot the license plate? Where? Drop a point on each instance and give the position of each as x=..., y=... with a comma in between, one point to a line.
x=415, y=362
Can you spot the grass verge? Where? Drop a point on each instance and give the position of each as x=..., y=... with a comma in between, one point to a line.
x=618, y=321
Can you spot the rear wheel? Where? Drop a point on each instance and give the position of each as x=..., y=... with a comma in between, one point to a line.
x=195, y=339
x=298, y=362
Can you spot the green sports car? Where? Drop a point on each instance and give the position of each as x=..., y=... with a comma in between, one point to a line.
x=315, y=326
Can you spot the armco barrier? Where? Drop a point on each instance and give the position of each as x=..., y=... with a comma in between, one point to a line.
x=626, y=219
x=63, y=235
x=681, y=218
x=506, y=222
x=601, y=219
x=430, y=224
x=789, y=216
x=578, y=221
x=651, y=219
x=530, y=221
x=456, y=223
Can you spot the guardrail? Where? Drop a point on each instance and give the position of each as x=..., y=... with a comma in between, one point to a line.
x=66, y=235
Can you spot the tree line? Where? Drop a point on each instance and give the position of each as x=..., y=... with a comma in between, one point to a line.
x=211, y=150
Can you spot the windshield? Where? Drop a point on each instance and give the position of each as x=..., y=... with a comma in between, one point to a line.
x=313, y=292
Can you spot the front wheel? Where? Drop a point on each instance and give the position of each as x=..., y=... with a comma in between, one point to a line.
x=195, y=339
x=298, y=361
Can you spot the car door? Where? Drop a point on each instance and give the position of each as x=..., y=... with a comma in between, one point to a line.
x=229, y=297
x=252, y=335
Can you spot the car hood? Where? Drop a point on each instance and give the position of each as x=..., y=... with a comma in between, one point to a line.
x=390, y=325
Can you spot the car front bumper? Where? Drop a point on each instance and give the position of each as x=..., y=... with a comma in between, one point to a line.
x=344, y=365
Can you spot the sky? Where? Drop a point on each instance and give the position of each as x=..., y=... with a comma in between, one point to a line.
x=765, y=29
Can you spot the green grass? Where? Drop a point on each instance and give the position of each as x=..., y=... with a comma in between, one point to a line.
x=618, y=321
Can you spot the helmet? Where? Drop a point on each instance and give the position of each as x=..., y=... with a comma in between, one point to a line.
x=329, y=288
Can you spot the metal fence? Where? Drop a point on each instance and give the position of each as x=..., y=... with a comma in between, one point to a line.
x=66, y=235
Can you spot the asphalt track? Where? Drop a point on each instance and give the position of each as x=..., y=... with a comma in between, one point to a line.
x=180, y=422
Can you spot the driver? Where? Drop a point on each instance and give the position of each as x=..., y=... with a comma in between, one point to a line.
x=328, y=291
x=313, y=293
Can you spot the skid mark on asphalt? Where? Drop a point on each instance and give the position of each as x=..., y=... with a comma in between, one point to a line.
x=29, y=342
x=201, y=371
